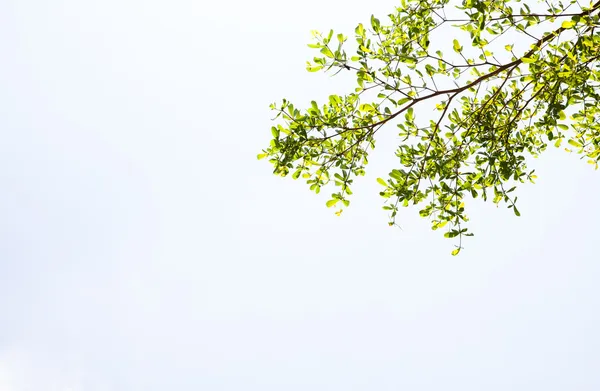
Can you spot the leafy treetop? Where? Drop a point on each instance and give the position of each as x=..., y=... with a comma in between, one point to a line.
x=528, y=78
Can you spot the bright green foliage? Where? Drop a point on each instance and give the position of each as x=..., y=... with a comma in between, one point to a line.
x=517, y=76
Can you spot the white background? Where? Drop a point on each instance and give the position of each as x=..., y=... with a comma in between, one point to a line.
x=143, y=247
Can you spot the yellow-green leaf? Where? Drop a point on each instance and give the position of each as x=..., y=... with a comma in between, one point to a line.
x=457, y=47
x=366, y=107
x=331, y=203
x=381, y=182
x=326, y=51
x=359, y=29
x=439, y=224
x=567, y=24
x=575, y=143
x=314, y=68
x=558, y=142
x=527, y=60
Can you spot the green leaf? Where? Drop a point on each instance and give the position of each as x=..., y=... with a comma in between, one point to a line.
x=528, y=60
x=439, y=224
x=359, y=30
x=366, y=107
x=274, y=132
x=558, y=142
x=375, y=23
x=396, y=174
x=456, y=46
x=575, y=143
x=327, y=52
x=455, y=252
x=314, y=68
x=382, y=182
x=331, y=203
x=326, y=40
x=262, y=155
x=516, y=211
x=567, y=24
x=451, y=234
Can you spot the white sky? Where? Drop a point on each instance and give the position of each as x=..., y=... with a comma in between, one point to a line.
x=143, y=247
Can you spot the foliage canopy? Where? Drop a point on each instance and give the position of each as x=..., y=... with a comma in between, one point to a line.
x=525, y=75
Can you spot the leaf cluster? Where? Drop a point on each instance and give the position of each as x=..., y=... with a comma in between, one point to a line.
x=493, y=103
